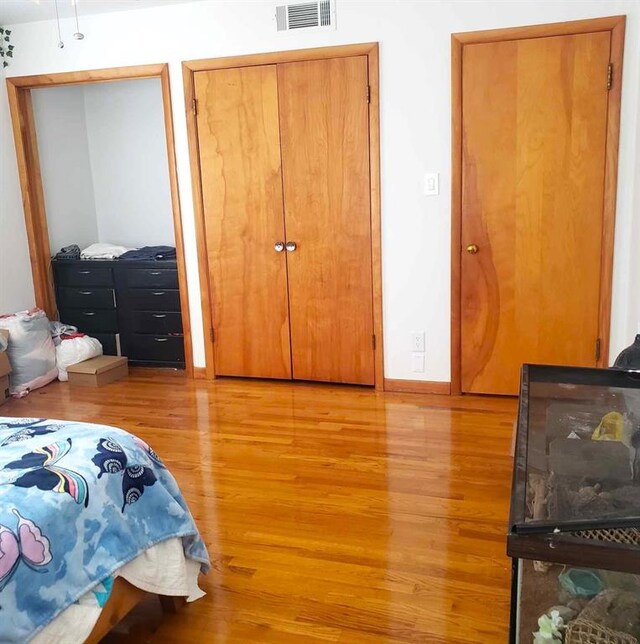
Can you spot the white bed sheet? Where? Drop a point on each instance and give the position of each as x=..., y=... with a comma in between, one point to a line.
x=162, y=569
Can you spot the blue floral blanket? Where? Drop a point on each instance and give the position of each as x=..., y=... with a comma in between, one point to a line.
x=77, y=502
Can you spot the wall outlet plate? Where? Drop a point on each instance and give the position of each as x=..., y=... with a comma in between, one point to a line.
x=432, y=184
x=417, y=341
x=417, y=362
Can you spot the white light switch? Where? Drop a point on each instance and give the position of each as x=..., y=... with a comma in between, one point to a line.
x=431, y=184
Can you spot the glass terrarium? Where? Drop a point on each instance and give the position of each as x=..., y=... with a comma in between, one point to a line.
x=574, y=531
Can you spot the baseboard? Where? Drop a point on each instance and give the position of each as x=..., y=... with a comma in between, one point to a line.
x=200, y=373
x=390, y=384
x=417, y=386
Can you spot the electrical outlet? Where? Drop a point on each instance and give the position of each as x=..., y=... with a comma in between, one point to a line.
x=417, y=362
x=432, y=184
x=417, y=341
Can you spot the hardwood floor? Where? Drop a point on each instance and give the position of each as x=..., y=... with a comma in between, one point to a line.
x=333, y=514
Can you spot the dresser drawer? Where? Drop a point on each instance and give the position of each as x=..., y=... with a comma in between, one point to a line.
x=83, y=276
x=151, y=277
x=161, y=348
x=156, y=322
x=110, y=343
x=142, y=299
x=90, y=320
x=82, y=298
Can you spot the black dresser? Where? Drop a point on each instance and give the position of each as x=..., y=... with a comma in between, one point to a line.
x=132, y=307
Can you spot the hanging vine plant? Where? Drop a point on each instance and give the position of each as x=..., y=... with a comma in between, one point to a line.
x=6, y=48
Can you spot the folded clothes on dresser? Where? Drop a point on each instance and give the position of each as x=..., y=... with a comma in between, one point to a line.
x=104, y=251
x=150, y=253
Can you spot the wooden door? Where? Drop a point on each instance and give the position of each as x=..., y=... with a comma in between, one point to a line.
x=324, y=129
x=238, y=137
x=534, y=116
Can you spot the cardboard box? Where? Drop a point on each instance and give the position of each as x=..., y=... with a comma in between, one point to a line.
x=5, y=368
x=4, y=389
x=5, y=365
x=99, y=371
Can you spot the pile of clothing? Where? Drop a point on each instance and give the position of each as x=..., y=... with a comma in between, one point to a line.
x=112, y=251
x=104, y=251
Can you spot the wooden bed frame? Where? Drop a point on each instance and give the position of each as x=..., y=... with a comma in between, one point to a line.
x=123, y=599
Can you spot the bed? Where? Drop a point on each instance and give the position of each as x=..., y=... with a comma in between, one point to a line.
x=90, y=520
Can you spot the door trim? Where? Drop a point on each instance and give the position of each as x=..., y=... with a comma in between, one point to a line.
x=613, y=24
x=189, y=68
x=24, y=132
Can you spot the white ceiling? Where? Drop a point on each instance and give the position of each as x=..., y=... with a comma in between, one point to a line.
x=15, y=11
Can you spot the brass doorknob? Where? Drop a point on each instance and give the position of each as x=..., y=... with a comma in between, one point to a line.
x=472, y=249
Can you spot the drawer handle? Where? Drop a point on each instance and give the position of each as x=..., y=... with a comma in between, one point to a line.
x=87, y=313
x=84, y=272
x=161, y=339
x=156, y=273
x=159, y=315
x=86, y=292
x=158, y=293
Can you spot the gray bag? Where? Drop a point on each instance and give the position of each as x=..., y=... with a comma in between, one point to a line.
x=31, y=351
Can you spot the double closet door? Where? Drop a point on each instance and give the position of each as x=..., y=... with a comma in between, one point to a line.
x=284, y=160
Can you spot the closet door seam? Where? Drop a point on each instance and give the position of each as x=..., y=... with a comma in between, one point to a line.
x=284, y=219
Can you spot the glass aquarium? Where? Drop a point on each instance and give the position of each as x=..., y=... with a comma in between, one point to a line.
x=574, y=532
x=575, y=605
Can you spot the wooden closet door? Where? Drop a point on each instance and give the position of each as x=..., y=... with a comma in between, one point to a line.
x=324, y=131
x=238, y=136
x=534, y=132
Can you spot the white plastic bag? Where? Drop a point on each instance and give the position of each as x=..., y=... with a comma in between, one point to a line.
x=58, y=330
x=73, y=350
x=31, y=351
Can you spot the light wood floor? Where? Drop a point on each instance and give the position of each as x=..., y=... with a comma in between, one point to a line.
x=331, y=514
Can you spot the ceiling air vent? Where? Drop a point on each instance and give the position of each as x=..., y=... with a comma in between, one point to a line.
x=306, y=15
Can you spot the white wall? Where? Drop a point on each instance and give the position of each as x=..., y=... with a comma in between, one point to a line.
x=16, y=283
x=103, y=158
x=67, y=181
x=128, y=150
x=415, y=130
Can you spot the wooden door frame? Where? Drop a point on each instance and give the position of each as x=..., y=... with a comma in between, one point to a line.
x=613, y=24
x=189, y=68
x=24, y=132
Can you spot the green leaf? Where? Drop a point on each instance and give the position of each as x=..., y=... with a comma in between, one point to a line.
x=8, y=32
x=5, y=63
x=10, y=47
x=7, y=38
x=1, y=30
x=10, y=54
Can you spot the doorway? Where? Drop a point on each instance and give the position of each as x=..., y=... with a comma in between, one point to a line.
x=142, y=344
x=535, y=140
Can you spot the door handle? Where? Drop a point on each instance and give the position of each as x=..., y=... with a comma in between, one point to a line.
x=159, y=315
x=472, y=249
x=88, y=313
x=161, y=339
x=158, y=293
x=278, y=246
x=86, y=292
x=291, y=246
